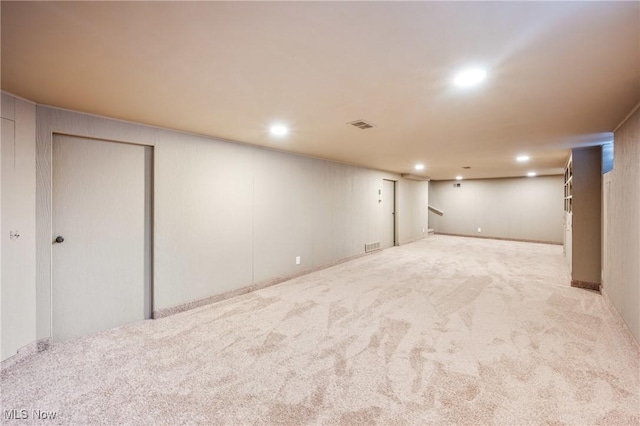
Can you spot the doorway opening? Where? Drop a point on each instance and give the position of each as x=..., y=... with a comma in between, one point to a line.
x=389, y=213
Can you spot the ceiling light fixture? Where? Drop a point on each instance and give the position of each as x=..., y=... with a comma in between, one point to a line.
x=522, y=158
x=278, y=130
x=419, y=166
x=531, y=174
x=470, y=77
x=458, y=177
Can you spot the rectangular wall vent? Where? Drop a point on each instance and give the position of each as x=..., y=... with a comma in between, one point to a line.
x=372, y=247
x=361, y=124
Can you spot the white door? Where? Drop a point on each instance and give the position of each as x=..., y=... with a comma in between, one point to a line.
x=389, y=214
x=101, y=197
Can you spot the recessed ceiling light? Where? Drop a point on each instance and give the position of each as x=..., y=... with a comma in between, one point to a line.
x=419, y=167
x=278, y=130
x=470, y=77
x=458, y=177
x=531, y=174
x=522, y=158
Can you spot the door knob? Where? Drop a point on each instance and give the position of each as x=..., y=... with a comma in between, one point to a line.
x=59, y=239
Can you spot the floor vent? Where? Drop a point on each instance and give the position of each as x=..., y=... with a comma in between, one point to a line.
x=361, y=124
x=372, y=247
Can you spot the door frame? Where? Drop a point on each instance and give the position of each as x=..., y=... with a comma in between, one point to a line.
x=49, y=122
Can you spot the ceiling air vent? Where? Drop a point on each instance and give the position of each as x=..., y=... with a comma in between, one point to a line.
x=361, y=124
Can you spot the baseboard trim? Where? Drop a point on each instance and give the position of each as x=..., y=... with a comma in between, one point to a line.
x=25, y=352
x=621, y=323
x=165, y=312
x=555, y=243
x=413, y=240
x=586, y=285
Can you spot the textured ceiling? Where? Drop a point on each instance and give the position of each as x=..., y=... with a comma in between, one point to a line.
x=560, y=75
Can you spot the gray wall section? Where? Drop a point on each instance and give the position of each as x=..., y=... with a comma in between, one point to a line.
x=284, y=211
x=412, y=222
x=513, y=208
x=622, y=225
x=229, y=215
x=18, y=282
x=203, y=213
x=587, y=215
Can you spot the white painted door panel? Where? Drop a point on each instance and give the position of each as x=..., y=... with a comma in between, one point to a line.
x=99, y=210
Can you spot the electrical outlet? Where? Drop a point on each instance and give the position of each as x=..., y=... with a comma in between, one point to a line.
x=297, y=260
x=479, y=229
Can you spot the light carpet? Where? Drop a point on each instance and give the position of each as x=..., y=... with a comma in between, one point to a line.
x=446, y=330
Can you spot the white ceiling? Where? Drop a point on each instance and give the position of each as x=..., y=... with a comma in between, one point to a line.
x=561, y=75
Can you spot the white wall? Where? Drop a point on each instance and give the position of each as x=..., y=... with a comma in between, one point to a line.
x=18, y=170
x=413, y=222
x=512, y=208
x=230, y=215
x=621, y=242
x=203, y=212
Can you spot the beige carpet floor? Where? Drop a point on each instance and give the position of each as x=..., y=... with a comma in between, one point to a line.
x=446, y=330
